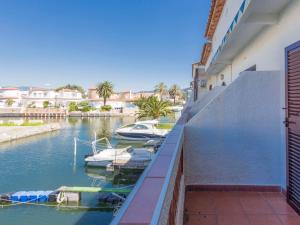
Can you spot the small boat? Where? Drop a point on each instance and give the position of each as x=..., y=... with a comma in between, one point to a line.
x=176, y=108
x=106, y=156
x=142, y=130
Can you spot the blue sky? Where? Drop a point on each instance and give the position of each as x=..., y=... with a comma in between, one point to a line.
x=133, y=43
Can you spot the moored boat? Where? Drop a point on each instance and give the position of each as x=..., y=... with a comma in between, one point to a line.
x=142, y=130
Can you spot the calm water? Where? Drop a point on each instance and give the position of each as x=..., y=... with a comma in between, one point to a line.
x=46, y=162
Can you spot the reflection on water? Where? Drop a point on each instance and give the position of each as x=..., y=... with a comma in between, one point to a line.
x=46, y=162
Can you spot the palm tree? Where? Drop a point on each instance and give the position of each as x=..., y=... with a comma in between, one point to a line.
x=161, y=88
x=174, y=92
x=154, y=108
x=105, y=90
x=141, y=102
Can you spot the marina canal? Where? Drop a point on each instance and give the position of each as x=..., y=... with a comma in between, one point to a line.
x=46, y=162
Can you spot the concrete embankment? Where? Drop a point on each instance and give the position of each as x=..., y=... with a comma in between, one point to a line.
x=17, y=132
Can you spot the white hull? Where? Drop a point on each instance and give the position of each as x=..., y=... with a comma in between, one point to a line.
x=107, y=156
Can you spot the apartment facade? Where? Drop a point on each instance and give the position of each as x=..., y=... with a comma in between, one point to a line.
x=10, y=93
x=37, y=96
x=234, y=155
x=251, y=64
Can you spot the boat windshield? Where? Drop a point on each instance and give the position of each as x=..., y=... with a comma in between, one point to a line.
x=141, y=127
x=129, y=126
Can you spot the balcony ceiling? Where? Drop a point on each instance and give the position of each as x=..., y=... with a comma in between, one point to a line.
x=258, y=15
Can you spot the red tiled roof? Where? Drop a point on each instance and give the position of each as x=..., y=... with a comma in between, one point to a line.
x=214, y=17
x=9, y=89
x=205, y=53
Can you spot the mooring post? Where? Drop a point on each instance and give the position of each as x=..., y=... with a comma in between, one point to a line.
x=95, y=136
x=75, y=146
x=75, y=152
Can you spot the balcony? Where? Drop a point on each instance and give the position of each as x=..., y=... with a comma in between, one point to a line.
x=221, y=164
x=252, y=17
x=238, y=208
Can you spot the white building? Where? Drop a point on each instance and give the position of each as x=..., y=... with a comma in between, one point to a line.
x=245, y=123
x=65, y=96
x=245, y=35
x=37, y=97
x=11, y=93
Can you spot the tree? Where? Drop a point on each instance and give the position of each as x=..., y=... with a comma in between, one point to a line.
x=105, y=90
x=174, y=92
x=46, y=104
x=72, y=107
x=161, y=89
x=9, y=102
x=141, y=102
x=154, y=108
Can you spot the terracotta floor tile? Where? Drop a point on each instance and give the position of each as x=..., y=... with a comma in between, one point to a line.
x=228, y=219
x=229, y=205
x=264, y=220
x=226, y=194
x=255, y=204
x=193, y=219
x=273, y=195
x=290, y=220
x=250, y=194
x=201, y=202
x=280, y=206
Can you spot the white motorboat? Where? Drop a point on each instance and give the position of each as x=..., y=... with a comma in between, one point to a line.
x=176, y=108
x=105, y=156
x=142, y=130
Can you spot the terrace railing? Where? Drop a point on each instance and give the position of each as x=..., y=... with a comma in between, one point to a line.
x=155, y=198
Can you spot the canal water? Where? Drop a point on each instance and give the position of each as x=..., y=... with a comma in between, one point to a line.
x=46, y=162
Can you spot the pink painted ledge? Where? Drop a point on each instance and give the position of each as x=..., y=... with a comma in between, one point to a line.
x=141, y=209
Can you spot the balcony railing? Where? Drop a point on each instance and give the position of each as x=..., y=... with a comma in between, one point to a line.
x=233, y=24
x=154, y=200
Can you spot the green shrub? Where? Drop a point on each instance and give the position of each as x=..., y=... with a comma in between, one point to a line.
x=46, y=104
x=84, y=106
x=73, y=106
x=106, y=108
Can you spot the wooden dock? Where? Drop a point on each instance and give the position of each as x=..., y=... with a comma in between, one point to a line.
x=45, y=113
x=93, y=190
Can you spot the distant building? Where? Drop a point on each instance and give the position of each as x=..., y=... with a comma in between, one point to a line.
x=121, y=99
x=65, y=96
x=37, y=96
x=10, y=93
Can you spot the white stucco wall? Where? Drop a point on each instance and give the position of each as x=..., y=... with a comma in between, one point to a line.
x=266, y=50
x=203, y=99
x=237, y=138
x=230, y=9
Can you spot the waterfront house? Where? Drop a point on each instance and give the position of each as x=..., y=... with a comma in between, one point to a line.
x=234, y=155
x=37, y=96
x=12, y=94
x=65, y=96
x=117, y=100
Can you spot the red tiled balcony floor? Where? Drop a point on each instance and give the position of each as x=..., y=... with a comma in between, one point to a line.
x=238, y=208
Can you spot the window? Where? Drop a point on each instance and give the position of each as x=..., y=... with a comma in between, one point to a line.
x=141, y=127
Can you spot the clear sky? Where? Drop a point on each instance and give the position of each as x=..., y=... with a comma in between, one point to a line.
x=132, y=43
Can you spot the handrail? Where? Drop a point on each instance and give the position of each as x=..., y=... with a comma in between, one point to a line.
x=160, y=172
